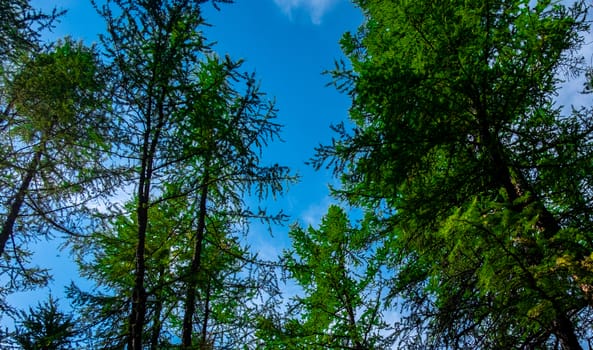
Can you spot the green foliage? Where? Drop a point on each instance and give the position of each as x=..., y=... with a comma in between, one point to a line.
x=21, y=26
x=56, y=92
x=54, y=138
x=479, y=181
x=226, y=282
x=111, y=268
x=341, y=289
x=45, y=328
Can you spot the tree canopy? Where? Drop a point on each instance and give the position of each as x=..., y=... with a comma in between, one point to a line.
x=461, y=216
x=480, y=177
x=21, y=27
x=55, y=137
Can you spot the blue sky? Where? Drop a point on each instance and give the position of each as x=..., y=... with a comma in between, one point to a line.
x=288, y=43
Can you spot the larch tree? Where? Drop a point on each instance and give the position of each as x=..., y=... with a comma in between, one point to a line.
x=195, y=129
x=339, y=303
x=152, y=46
x=480, y=177
x=21, y=26
x=54, y=138
x=45, y=327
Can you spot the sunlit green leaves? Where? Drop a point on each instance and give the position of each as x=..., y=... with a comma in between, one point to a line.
x=458, y=133
x=340, y=305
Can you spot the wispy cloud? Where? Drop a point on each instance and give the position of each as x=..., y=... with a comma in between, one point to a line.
x=315, y=8
x=315, y=212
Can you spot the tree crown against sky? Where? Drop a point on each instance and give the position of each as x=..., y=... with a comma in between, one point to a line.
x=46, y=327
x=474, y=181
x=55, y=137
x=22, y=26
x=194, y=128
x=481, y=178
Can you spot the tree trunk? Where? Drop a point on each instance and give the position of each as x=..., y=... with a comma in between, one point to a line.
x=565, y=333
x=139, y=293
x=17, y=201
x=204, y=332
x=192, y=280
x=516, y=186
x=138, y=313
x=158, y=309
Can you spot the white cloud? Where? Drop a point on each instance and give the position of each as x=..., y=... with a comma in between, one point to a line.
x=315, y=8
x=315, y=212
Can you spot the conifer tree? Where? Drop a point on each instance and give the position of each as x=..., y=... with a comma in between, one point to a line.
x=196, y=126
x=54, y=137
x=481, y=179
x=45, y=328
x=339, y=306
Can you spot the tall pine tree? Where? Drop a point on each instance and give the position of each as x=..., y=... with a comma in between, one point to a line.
x=339, y=300
x=195, y=128
x=55, y=133
x=482, y=180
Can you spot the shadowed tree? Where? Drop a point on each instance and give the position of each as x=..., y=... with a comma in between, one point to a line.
x=54, y=139
x=45, y=328
x=482, y=180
